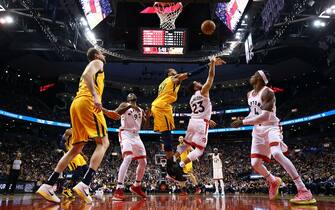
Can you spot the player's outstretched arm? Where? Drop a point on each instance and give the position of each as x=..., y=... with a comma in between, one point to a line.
x=211, y=74
x=123, y=107
x=111, y=114
x=88, y=76
x=177, y=79
x=268, y=99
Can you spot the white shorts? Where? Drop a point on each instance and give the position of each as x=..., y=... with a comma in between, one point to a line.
x=131, y=144
x=217, y=173
x=263, y=138
x=197, y=133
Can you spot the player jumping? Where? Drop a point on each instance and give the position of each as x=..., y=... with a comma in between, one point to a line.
x=267, y=139
x=197, y=130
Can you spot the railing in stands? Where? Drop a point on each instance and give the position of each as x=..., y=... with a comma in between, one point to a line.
x=216, y=130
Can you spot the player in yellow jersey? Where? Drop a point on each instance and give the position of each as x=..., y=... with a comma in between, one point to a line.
x=188, y=169
x=77, y=167
x=161, y=109
x=88, y=122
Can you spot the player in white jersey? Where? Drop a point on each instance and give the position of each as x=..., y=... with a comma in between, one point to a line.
x=217, y=171
x=267, y=139
x=197, y=130
x=132, y=147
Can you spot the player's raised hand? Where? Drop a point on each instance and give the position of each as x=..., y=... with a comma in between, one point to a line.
x=237, y=123
x=212, y=124
x=112, y=115
x=219, y=61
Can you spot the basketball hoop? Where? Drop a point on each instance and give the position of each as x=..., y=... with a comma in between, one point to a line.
x=167, y=13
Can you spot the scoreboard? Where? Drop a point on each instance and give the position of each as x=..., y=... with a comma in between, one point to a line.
x=162, y=42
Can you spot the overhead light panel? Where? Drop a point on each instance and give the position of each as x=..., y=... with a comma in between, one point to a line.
x=9, y=19
x=319, y=23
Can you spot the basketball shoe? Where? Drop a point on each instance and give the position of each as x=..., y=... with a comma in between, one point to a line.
x=47, y=192
x=138, y=190
x=274, y=188
x=303, y=197
x=119, y=195
x=83, y=191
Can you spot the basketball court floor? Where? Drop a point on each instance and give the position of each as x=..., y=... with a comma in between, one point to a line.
x=166, y=202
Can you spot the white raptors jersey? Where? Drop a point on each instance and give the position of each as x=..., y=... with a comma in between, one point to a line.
x=217, y=163
x=255, y=104
x=201, y=106
x=131, y=120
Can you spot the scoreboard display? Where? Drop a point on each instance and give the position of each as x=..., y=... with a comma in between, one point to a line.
x=162, y=42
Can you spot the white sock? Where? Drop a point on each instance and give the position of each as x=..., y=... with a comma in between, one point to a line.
x=216, y=183
x=137, y=183
x=182, y=164
x=119, y=185
x=270, y=178
x=222, y=186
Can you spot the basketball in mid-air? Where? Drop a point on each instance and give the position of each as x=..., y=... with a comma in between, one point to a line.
x=208, y=27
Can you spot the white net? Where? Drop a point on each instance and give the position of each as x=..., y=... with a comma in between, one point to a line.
x=168, y=13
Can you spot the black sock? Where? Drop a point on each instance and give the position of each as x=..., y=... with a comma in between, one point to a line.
x=88, y=176
x=53, y=178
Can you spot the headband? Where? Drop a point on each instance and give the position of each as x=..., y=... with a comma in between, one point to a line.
x=261, y=72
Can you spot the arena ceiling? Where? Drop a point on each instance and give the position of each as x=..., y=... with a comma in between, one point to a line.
x=48, y=32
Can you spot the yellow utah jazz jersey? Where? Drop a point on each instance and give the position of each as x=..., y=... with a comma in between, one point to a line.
x=188, y=167
x=167, y=93
x=78, y=160
x=99, y=83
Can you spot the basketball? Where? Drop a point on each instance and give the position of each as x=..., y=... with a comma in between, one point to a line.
x=208, y=27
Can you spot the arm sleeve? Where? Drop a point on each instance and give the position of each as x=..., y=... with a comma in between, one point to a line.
x=265, y=115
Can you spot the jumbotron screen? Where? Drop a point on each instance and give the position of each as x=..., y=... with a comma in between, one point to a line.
x=231, y=12
x=162, y=42
x=95, y=11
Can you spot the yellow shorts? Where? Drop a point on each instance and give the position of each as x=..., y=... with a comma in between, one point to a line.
x=86, y=123
x=188, y=168
x=163, y=119
x=78, y=160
